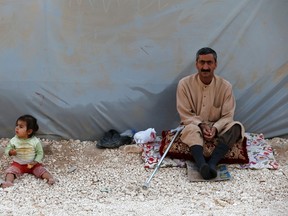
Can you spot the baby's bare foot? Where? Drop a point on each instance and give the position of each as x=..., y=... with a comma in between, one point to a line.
x=51, y=181
x=6, y=184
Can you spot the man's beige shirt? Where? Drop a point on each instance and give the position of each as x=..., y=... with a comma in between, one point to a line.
x=196, y=102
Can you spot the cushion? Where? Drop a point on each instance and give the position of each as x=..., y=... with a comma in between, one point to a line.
x=236, y=154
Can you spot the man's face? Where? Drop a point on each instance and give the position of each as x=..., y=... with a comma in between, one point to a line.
x=206, y=65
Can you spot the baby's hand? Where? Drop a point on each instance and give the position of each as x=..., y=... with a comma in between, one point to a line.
x=30, y=166
x=12, y=152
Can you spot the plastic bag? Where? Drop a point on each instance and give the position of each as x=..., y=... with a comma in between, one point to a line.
x=146, y=136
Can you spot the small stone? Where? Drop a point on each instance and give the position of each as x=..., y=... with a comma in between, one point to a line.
x=72, y=169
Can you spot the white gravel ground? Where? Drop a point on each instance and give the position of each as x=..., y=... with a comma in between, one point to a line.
x=93, y=181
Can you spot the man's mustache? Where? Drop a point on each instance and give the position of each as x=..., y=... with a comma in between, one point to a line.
x=203, y=70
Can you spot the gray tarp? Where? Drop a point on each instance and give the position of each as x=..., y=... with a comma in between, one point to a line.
x=83, y=67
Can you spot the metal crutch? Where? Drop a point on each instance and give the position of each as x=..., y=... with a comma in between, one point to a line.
x=177, y=130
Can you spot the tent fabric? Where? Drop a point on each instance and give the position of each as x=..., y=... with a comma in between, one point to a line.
x=83, y=67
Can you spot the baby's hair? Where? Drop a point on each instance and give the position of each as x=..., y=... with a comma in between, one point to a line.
x=31, y=123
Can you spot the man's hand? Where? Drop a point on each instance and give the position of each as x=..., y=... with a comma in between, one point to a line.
x=208, y=132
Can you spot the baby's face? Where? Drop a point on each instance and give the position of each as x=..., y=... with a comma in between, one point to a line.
x=21, y=129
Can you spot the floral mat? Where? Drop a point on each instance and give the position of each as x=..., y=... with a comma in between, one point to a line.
x=260, y=154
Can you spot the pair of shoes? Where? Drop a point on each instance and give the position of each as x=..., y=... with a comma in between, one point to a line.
x=112, y=139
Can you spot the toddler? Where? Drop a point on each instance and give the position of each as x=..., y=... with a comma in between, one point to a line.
x=27, y=152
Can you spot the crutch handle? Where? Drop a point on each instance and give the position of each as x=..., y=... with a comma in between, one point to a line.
x=180, y=128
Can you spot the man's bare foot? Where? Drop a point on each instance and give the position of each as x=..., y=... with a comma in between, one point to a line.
x=6, y=184
x=51, y=181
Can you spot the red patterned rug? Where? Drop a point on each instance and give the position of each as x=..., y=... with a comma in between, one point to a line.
x=259, y=152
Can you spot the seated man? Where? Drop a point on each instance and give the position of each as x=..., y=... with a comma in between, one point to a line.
x=206, y=105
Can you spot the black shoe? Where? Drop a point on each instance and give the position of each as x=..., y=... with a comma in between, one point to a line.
x=218, y=153
x=205, y=171
x=213, y=172
x=197, y=154
x=111, y=139
x=126, y=140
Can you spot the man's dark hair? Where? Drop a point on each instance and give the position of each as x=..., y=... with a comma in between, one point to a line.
x=206, y=51
x=31, y=123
